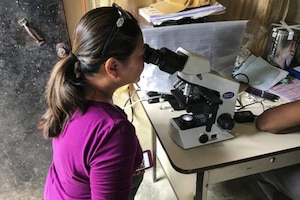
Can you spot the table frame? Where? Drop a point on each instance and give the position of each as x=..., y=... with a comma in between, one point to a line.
x=284, y=153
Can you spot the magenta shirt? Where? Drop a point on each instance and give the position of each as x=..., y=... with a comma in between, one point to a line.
x=95, y=156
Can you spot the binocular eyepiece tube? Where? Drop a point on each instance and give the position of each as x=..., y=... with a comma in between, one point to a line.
x=167, y=60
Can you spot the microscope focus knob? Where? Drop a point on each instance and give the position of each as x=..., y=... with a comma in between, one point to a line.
x=203, y=138
x=225, y=121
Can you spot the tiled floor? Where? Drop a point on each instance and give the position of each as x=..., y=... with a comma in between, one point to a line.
x=160, y=190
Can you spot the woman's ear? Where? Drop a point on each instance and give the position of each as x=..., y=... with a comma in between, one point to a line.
x=111, y=67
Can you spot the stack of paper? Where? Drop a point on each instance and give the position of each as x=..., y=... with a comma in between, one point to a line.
x=289, y=91
x=153, y=15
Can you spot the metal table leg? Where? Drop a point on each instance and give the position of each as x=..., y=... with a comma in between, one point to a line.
x=154, y=151
x=201, y=186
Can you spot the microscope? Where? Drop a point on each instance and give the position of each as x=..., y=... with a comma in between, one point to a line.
x=208, y=97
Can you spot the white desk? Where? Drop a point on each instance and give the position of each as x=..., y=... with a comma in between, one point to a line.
x=250, y=152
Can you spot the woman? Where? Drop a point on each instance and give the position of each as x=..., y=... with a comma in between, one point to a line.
x=281, y=184
x=95, y=149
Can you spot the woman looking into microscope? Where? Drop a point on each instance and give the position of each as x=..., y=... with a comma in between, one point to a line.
x=95, y=148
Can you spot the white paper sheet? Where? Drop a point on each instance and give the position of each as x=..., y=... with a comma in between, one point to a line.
x=261, y=74
x=290, y=91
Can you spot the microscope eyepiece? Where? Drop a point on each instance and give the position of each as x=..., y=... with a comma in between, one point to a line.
x=151, y=55
x=167, y=60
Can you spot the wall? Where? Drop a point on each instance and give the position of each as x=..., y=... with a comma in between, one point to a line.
x=74, y=9
x=294, y=14
x=261, y=14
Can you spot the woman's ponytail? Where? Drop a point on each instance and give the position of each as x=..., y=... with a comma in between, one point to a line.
x=64, y=94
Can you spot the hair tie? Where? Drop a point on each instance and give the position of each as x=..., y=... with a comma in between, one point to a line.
x=73, y=56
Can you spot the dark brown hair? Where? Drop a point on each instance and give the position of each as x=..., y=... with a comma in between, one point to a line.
x=64, y=91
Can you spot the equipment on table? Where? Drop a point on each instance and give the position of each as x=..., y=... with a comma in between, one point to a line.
x=208, y=97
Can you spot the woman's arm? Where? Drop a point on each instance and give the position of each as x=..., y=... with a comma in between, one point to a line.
x=281, y=119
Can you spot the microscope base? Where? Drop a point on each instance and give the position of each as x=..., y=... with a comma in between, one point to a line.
x=198, y=136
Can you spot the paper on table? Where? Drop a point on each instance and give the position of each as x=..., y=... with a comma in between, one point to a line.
x=218, y=41
x=289, y=91
x=260, y=73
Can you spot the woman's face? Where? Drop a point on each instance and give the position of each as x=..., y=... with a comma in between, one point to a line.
x=134, y=66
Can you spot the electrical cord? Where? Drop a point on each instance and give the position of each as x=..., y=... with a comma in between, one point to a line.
x=239, y=80
x=138, y=101
x=129, y=100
